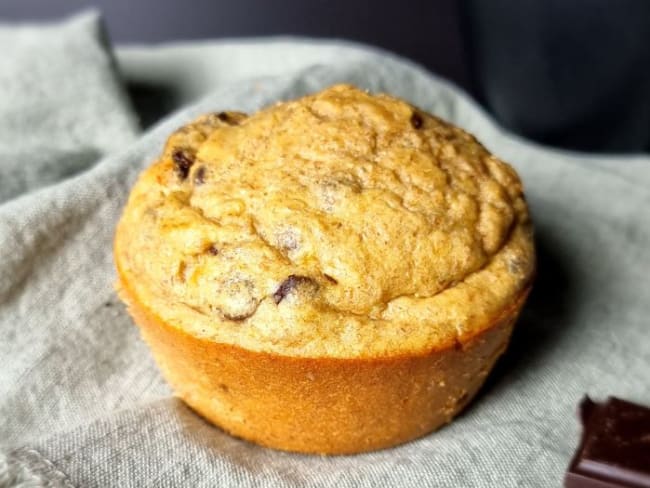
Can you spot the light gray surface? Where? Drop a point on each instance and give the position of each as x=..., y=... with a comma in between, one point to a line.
x=81, y=403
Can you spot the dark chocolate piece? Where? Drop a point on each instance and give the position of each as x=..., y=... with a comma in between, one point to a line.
x=615, y=446
x=416, y=120
x=183, y=161
x=213, y=250
x=199, y=175
x=226, y=118
x=331, y=279
x=288, y=285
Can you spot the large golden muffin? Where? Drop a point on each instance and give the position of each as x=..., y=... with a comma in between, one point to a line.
x=333, y=274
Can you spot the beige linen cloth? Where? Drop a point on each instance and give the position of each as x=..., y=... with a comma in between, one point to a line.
x=81, y=402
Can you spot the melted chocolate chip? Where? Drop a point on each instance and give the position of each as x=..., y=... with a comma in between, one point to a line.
x=183, y=161
x=199, y=176
x=288, y=285
x=212, y=250
x=416, y=120
x=226, y=118
x=330, y=279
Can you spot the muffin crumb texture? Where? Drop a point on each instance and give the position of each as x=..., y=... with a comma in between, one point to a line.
x=342, y=224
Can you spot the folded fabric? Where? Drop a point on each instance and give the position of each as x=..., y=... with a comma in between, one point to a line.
x=62, y=106
x=81, y=402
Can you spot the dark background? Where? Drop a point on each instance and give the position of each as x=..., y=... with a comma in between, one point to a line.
x=573, y=74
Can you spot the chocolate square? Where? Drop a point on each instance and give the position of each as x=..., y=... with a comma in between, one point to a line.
x=615, y=447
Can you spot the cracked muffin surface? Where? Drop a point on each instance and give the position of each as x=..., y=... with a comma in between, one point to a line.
x=342, y=224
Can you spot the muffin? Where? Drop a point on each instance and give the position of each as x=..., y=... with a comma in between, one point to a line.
x=332, y=275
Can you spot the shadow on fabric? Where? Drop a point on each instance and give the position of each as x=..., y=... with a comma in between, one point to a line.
x=543, y=321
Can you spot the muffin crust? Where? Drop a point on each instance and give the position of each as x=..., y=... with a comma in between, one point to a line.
x=342, y=224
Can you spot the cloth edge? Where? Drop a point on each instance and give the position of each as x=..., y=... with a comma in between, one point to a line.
x=26, y=467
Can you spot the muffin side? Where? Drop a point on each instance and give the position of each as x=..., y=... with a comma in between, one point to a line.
x=323, y=405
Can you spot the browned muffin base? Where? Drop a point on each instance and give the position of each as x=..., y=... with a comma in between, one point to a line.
x=322, y=405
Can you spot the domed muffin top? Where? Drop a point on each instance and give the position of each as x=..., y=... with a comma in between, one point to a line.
x=341, y=224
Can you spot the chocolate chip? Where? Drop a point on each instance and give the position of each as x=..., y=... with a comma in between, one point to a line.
x=416, y=120
x=330, y=279
x=212, y=250
x=199, y=175
x=183, y=161
x=227, y=118
x=288, y=285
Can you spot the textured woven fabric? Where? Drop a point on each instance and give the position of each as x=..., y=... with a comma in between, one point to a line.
x=81, y=402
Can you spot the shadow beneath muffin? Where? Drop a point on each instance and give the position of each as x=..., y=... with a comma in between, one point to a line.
x=544, y=319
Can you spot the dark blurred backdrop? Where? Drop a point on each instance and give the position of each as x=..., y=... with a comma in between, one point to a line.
x=574, y=74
